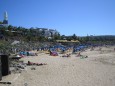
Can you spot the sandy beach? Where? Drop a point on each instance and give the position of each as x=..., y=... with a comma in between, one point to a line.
x=96, y=70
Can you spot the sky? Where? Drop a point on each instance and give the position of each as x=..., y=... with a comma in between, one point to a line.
x=68, y=17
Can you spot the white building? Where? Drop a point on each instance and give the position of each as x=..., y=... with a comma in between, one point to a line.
x=5, y=21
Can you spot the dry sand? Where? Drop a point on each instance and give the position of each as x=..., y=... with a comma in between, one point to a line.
x=96, y=70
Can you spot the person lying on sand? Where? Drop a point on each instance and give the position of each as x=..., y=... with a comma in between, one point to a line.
x=79, y=54
x=83, y=57
x=38, y=64
x=67, y=55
